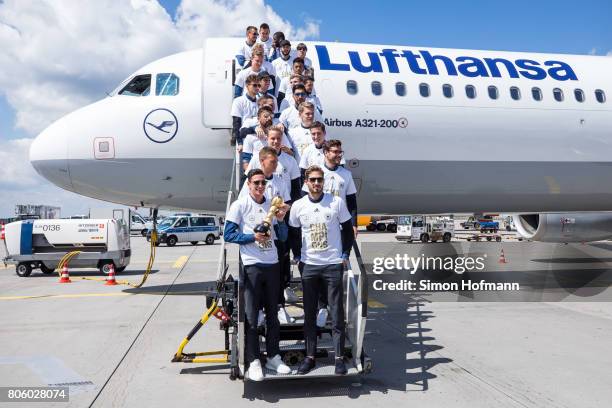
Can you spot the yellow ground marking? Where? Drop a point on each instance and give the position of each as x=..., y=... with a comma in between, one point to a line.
x=180, y=262
x=374, y=304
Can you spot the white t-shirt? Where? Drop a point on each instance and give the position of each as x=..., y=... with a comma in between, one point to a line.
x=290, y=117
x=313, y=155
x=283, y=69
x=287, y=166
x=244, y=107
x=276, y=186
x=242, y=76
x=320, y=223
x=301, y=138
x=245, y=50
x=248, y=214
x=253, y=144
x=266, y=44
x=338, y=182
x=252, y=121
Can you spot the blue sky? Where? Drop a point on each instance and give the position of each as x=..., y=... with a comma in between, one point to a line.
x=542, y=26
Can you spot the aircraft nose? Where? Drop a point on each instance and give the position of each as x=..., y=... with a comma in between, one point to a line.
x=49, y=155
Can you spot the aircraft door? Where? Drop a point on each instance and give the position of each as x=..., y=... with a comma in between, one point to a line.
x=217, y=83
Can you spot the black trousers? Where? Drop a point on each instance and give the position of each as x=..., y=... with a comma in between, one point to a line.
x=285, y=269
x=314, y=279
x=261, y=287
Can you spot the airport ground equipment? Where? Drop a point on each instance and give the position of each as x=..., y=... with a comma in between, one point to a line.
x=484, y=237
x=225, y=302
x=421, y=228
x=42, y=244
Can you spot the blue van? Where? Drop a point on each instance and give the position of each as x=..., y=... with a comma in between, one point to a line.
x=188, y=228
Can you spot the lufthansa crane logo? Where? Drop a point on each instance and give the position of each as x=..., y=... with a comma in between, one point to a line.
x=160, y=125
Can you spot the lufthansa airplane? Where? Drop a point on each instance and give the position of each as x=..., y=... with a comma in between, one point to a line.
x=425, y=130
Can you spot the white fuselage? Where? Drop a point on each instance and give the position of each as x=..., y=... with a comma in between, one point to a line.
x=408, y=153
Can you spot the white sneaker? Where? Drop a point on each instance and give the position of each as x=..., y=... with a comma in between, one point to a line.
x=261, y=318
x=283, y=316
x=276, y=363
x=290, y=296
x=322, y=317
x=255, y=372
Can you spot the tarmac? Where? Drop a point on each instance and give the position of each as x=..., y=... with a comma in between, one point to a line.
x=113, y=344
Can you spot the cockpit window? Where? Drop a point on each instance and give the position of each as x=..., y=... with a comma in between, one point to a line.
x=140, y=85
x=166, y=84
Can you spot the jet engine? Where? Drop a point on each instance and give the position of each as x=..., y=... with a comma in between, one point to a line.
x=564, y=228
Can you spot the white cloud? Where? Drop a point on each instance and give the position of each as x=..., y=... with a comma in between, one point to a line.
x=593, y=51
x=60, y=55
x=609, y=53
x=57, y=56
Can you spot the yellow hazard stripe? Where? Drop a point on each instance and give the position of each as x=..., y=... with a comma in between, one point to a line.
x=180, y=262
x=375, y=304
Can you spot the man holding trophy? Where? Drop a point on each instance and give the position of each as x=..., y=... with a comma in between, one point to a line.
x=254, y=222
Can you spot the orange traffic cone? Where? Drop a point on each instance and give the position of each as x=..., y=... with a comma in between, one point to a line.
x=65, y=277
x=502, y=258
x=110, y=279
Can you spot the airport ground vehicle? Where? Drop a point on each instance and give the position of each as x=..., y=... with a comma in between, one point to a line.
x=41, y=244
x=188, y=228
x=443, y=230
x=137, y=223
x=486, y=223
x=413, y=228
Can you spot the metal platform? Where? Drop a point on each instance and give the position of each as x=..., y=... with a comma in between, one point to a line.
x=324, y=369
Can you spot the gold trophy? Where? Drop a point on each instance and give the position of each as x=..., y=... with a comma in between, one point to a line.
x=264, y=227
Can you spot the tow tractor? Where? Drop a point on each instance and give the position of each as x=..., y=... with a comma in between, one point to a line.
x=225, y=302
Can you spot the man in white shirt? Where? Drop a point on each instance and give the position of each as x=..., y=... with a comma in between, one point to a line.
x=260, y=274
x=255, y=137
x=283, y=64
x=256, y=67
x=243, y=55
x=264, y=38
x=290, y=116
x=313, y=154
x=311, y=94
x=285, y=88
x=300, y=135
x=321, y=241
x=244, y=107
x=300, y=52
x=276, y=185
x=274, y=53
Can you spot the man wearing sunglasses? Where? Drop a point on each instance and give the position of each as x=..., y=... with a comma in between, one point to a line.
x=260, y=274
x=244, y=107
x=321, y=239
x=290, y=117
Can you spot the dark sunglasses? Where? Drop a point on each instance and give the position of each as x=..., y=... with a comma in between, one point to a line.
x=259, y=182
x=315, y=179
x=300, y=94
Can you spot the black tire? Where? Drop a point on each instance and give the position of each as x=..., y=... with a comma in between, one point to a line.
x=489, y=238
x=371, y=227
x=508, y=228
x=171, y=241
x=381, y=227
x=45, y=270
x=23, y=269
x=194, y=243
x=497, y=239
x=476, y=225
x=210, y=239
x=144, y=232
x=120, y=269
x=392, y=228
x=105, y=267
x=446, y=237
x=424, y=238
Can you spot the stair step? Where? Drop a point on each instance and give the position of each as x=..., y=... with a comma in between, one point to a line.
x=322, y=370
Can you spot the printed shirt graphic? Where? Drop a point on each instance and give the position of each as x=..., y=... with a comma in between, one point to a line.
x=247, y=214
x=301, y=138
x=338, y=182
x=320, y=223
x=287, y=166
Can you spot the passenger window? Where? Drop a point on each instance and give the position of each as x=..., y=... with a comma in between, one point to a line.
x=558, y=94
x=424, y=90
x=536, y=93
x=376, y=88
x=351, y=87
x=493, y=92
x=209, y=221
x=579, y=95
x=140, y=85
x=515, y=93
x=470, y=91
x=600, y=96
x=166, y=84
x=197, y=222
x=447, y=90
x=400, y=89
x=182, y=223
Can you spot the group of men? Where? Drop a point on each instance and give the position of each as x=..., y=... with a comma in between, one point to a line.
x=284, y=153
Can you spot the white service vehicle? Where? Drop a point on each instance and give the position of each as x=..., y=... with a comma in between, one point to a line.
x=412, y=228
x=41, y=244
x=188, y=228
x=138, y=225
